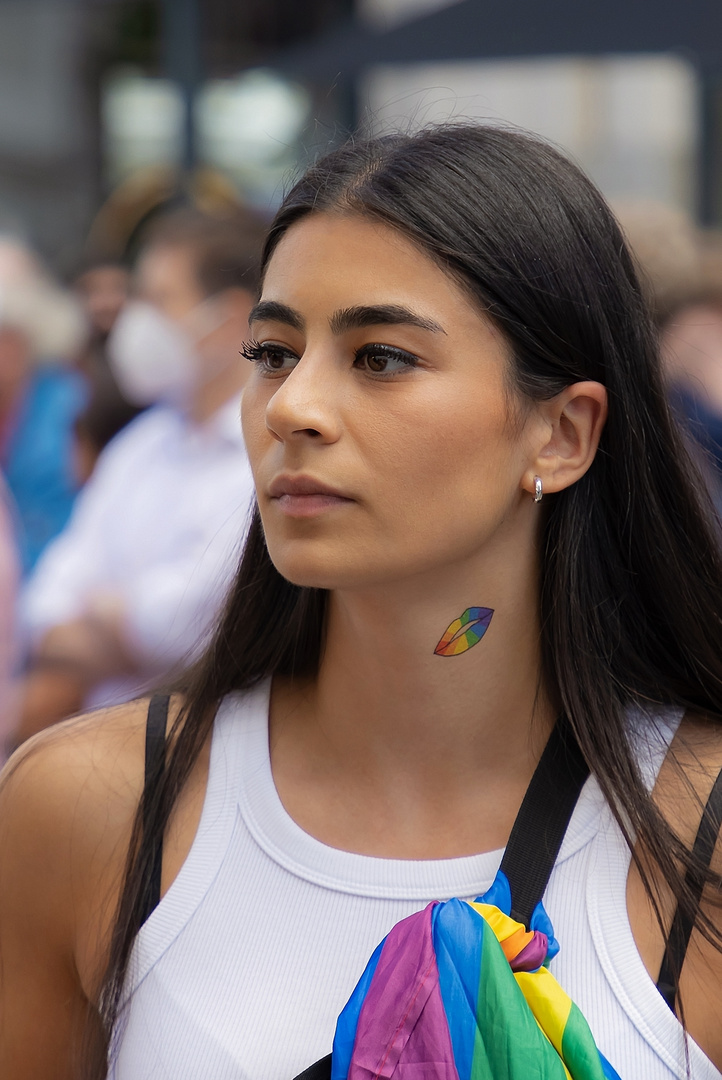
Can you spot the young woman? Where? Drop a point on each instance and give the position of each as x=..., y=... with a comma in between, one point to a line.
x=475, y=515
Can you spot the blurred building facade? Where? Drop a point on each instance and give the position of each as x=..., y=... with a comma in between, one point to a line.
x=94, y=103
x=632, y=122
x=86, y=103
x=49, y=181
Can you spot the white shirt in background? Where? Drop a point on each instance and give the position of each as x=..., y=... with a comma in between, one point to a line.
x=160, y=525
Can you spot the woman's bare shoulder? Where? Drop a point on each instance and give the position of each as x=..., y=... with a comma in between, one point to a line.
x=68, y=797
x=701, y=734
x=695, y=762
x=67, y=803
x=86, y=763
x=689, y=772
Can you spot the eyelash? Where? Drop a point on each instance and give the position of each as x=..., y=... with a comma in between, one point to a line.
x=255, y=351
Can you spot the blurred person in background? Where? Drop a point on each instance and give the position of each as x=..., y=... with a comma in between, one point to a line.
x=102, y=285
x=665, y=243
x=106, y=412
x=132, y=586
x=681, y=269
x=9, y=578
x=41, y=329
x=691, y=340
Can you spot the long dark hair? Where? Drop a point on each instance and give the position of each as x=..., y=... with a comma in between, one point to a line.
x=631, y=574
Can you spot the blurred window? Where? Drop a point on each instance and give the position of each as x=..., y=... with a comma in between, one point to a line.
x=250, y=128
x=630, y=122
x=142, y=123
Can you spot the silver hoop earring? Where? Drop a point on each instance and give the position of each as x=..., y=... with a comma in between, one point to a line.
x=538, y=492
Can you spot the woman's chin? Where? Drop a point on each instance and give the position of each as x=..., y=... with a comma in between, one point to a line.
x=323, y=571
x=308, y=573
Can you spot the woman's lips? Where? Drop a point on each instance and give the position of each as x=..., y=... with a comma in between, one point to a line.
x=302, y=496
x=300, y=506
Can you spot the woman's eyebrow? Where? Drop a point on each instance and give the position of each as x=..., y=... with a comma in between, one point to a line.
x=355, y=318
x=274, y=311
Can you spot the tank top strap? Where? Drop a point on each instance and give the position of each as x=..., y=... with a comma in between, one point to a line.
x=155, y=746
x=213, y=836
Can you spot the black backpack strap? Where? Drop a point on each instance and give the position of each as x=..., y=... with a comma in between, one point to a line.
x=542, y=820
x=320, y=1070
x=683, y=923
x=155, y=728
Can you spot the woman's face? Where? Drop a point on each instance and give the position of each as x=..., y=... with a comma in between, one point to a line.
x=382, y=433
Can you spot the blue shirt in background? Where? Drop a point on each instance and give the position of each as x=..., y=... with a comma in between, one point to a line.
x=38, y=463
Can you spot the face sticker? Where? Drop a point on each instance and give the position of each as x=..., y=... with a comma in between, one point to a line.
x=465, y=632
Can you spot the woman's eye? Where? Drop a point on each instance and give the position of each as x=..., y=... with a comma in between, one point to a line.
x=378, y=360
x=384, y=360
x=269, y=357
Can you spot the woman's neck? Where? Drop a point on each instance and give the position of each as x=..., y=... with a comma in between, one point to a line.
x=426, y=740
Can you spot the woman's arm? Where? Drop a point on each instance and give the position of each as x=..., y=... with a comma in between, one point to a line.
x=67, y=801
x=681, y=791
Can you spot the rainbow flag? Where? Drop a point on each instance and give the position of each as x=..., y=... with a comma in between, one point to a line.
x=459, y=991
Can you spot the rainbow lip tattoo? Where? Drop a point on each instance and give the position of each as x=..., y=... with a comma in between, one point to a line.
x=465, y=632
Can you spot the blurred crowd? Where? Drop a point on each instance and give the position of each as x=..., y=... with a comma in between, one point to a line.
x=125, y=489
x=125, y=486
x=681, y=268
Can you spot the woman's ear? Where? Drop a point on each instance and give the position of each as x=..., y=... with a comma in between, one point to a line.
x=573, y=420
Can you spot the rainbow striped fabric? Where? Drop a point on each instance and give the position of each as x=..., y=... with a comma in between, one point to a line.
x=459, y=992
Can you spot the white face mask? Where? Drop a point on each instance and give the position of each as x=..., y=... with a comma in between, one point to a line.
x=152, y=357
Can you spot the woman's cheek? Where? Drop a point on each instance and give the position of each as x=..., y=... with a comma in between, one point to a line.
x=253, y=421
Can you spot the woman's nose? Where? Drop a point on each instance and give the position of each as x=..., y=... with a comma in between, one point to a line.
x=305, y=404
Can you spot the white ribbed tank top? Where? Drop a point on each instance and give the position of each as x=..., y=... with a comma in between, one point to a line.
x=241, y=971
